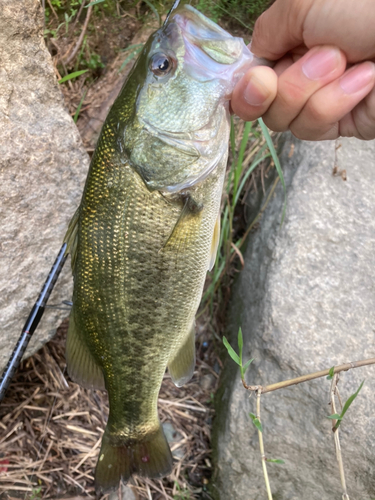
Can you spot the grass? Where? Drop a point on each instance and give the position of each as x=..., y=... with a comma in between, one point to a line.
x=240, y=13
x=251, y=148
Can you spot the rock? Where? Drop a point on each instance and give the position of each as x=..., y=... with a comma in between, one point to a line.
x=173, y=437
x=126, y=494
x=207, y=382
x=305, y=301
x=42, y=170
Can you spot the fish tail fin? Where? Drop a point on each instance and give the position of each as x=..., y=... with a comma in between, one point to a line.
x=149, y=457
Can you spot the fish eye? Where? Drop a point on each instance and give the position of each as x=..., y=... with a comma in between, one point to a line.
x=161, y=64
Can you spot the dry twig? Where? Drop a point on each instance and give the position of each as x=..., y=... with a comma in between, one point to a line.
x=336, y=431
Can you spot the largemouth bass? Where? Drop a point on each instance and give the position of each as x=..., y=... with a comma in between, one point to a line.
x=147, y=231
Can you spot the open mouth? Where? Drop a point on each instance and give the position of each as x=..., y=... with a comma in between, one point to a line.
x=210, y=52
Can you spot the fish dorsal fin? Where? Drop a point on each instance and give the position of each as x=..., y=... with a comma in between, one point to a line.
x=71, y=238
x=82, y=367
x=181, y=366
x=215, y=243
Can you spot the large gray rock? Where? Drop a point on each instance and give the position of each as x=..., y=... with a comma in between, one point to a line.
x=306, y=302
x=42, y=170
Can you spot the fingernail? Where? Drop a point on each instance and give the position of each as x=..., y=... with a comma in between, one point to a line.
x=358, y=78
x=321, y=63
x=255, y=92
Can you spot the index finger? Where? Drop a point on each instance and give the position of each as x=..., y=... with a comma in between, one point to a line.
x=280, y=29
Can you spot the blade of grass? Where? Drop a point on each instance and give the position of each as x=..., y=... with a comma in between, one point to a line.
x=240, y=345
x=241, y=153
x=248, y=173
x=76, y=66
x=131, y=56
x=73, y=75
x=347, y=405
x=147, y=2
x=275, y=159
x=76, y=114
x=95, y=2
x=247, y=364
x=133, y=46
x=232, y=137
x=217, y=275
x=234, y=17
x=232, y=353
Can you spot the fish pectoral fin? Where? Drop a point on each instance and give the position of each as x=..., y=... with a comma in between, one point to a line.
x=82, y=367
x=71, y=238
x=186, y=222
x=215, y=243
x=118, y=460
x=181, y=367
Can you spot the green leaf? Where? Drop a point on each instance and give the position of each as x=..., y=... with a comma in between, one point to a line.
x=275, y=460
x=73, y=75
x=256, y=422
x=335, y=416
x=331, y=373
x=276, y=161
x=350, y=400
x=247, y=364
x=232, y=353
x=95, y=2
x=345, y=408
x=240, y=344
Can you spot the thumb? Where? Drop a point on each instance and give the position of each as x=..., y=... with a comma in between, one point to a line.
x=280, y=28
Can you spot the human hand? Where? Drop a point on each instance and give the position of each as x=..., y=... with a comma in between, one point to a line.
x=323, y=83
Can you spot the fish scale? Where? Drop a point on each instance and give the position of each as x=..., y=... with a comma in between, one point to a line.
x=131, y=268
x=145, y=234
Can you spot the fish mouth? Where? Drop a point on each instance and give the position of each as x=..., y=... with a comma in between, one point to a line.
x=198, y=146
x=210, y=51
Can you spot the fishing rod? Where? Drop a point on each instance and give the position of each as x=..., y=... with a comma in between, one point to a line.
x=174, y=7
x=32, y=322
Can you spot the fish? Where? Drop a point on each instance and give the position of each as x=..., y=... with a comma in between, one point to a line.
x=147, y=231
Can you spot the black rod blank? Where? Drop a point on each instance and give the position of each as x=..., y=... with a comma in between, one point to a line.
x=32, y=322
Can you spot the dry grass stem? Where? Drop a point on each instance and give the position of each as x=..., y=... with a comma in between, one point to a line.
x=336, y=435
x=50, y=435
x=69, y=57
x=261, y=446
x=310, y=376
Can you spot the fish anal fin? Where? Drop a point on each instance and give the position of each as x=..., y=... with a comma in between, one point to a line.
x=215, y=243
x=71, y=238
x=181, y=367
x=82, y=367
x=119, y=460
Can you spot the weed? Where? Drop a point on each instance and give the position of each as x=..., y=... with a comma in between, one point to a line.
x=340, y=416
x=240, y=12
x=255, y=147
x=182, y=494
x=36, y=493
